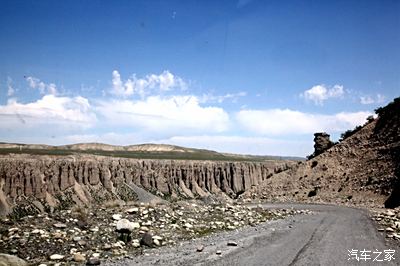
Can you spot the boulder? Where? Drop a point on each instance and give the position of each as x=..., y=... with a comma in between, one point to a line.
x=146, y=240
x=10, y=260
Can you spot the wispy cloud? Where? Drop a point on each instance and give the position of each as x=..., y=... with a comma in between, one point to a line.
x=210, y=98
x=144, y=86
x=50, y=109
x=290, y=122
x=320, y=93
x=379, y=98
x=43, y=88
x=174, y=114
x=10, y=89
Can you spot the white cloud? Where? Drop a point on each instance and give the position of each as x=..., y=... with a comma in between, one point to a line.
x=320, y=93
x=178, y=114
x=43, y=88
x=290, y=122
x=10, y=89
x=210, y=98
x=164, y=82
x=366, y=100
x=370, y=100
x=48, y=110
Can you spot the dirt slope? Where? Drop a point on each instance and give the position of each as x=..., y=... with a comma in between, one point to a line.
x=363, y=168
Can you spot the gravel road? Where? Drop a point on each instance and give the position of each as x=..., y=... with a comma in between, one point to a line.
x=322, y=238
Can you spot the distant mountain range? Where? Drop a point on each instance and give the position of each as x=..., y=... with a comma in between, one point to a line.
x=145, y=151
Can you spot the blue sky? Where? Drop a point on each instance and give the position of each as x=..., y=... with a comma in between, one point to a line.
x=243, y=76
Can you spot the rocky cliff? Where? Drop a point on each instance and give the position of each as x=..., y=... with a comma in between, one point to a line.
x=37, y=182
x=362, y=168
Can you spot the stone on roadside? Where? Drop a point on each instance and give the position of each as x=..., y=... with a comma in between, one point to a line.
x=117, y=217
x=60, y=225
x=56, y=257
x=200, y=248
x=232, y=243
x=157, y=237
x=146, y=240
x=188, y=226
x=156, y=242
x=126, y=225
x=93, y=261
x=10, y=260
x=390, y=213
x=132, y=210
x=79, y=257
x=135, y=243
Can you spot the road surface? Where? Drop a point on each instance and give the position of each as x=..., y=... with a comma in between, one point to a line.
x=325, y=237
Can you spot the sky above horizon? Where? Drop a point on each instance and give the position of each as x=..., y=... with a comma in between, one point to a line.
x=247, y=76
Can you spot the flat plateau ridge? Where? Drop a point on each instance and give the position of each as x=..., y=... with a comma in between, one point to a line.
x=100, y=146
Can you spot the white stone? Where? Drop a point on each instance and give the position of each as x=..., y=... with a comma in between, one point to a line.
x=132, y=210
x=56, y=257
x=390, y=213
x=59, y=225
x=94, y=229
x=397, y=225
x=125, y=224
x=117, y=217
x=135, y=244
x=147, y=223
x=188, y=225
x=157, y=237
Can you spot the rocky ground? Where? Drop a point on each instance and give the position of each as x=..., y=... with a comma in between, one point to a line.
x=388, y=222
x=89, y=236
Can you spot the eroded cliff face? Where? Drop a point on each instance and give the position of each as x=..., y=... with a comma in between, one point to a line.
x=57, y=181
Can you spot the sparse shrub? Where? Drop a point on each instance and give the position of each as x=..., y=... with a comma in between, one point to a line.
x=349, y=133
x=314, y=163
x=82, y=216
x=370, y=119
x=312, y=193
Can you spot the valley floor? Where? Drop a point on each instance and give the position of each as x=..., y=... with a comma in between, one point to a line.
x=331, y=235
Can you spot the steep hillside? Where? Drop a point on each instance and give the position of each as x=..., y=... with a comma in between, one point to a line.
x=363, y=168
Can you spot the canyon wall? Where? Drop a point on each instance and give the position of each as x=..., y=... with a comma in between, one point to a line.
x=51, y=181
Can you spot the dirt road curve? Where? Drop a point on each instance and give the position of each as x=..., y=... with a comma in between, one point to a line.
x=323, y=238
